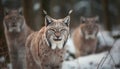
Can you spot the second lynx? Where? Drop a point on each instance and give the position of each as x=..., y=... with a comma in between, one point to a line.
x=84, y=36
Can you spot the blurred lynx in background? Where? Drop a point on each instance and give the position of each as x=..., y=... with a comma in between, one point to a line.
x=85, y=36
x=16, y=32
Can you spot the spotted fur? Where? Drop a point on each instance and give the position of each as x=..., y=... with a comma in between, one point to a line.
x=45, y=48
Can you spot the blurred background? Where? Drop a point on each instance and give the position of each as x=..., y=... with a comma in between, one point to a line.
x=107, y=10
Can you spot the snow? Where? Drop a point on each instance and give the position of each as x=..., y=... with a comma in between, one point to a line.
x=86, y=62
x=92, y=61
x=115, y=52
x=2, y=59
x=9, y=66
x=70, y=46
x=105, y=38
x=115, y=32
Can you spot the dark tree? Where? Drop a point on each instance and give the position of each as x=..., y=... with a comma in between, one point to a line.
x=33, y=19
x=108, y=25
x=3, y=46
x=28, y=12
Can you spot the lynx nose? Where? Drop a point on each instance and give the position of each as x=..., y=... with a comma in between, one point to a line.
x=90, y=32
x=57, y=34
x=13, y=24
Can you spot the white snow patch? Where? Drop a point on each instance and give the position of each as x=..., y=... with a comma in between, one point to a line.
x=115, y=52
x=9, y=66
x=70, y=46
x=2, y=59
x=105, y=38
x=115, y=32
x=86, y=62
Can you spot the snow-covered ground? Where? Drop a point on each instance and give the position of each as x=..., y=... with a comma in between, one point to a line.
x=86, y=62
x=2, y=59
x=105, y=38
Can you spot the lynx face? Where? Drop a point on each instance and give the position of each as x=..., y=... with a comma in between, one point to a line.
x=89, y=28
x=57, y=31
x=13, y=21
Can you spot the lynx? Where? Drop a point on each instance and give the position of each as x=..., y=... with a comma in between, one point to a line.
x=85, y=36
x=16, y=32
x=45, y=48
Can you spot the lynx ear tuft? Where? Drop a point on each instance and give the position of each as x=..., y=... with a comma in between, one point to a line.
x=82, y=19
x=70, y=12
x=44, y=12
x=67, y=18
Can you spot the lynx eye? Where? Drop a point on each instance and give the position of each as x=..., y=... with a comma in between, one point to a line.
x=53, y=30
x=63, y=30
x=83, y=21
x=96, y=21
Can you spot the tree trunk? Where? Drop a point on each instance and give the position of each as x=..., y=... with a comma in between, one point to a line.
x=46, y=5
x=3, y=45
x=106, y=13
x=118, y=7
x=28, y=13
x=39, y=19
